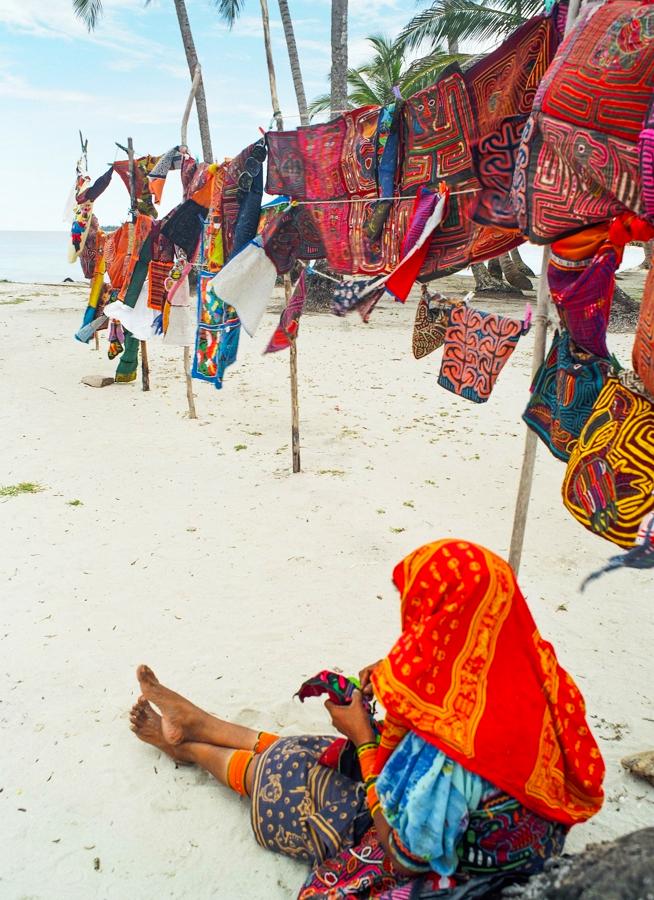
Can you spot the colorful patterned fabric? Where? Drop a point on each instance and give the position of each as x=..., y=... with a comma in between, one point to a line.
x=301, y=808
x=584, y=299
x=338, y=687
x=503, y=838
x=427, y=798
x=477, y=346
x=563, y=393
x=431, y=323
x=290, y=235
x=289, y=321
x=96, y=189
x=643, y=351
x=240, y=210
x=143, y=166
x=158, y=272
x=122, y=251
x=609, y=482
x=439, y=132
x=646, y=163
x=578, y=161
x=360, y=294
x=428, y=214
x=217, y=338
x=501, y=87
x=467, y=640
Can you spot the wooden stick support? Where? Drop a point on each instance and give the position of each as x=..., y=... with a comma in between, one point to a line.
x=145, y=366
x=540, y=337
x=190, y=399
x=295, y=405
x=189, y=384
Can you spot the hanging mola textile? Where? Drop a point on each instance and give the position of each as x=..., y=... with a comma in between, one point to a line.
x=143, y=166
x=578, y=161
x=501, y=87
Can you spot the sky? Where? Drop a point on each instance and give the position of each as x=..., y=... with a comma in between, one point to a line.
x=129, y=78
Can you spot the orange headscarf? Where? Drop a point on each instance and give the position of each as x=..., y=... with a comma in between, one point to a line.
x=471, y=674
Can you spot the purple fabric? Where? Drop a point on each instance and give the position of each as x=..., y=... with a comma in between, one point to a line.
x=585, y=300
x=424, y=208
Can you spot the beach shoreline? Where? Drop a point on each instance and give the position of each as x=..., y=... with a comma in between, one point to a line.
x=190, y=546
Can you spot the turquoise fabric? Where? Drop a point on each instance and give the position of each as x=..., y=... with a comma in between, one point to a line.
x=426, y=797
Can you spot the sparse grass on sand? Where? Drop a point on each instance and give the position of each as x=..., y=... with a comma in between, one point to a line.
x=23, y=487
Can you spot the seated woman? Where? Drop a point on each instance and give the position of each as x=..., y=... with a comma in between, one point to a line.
x=484, y=762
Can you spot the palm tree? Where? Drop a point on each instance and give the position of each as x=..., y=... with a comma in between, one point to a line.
x=294, y=60
x=372, y=83
x=229, y=11
x=458, y=20
x=339, y=57
x=90, y=11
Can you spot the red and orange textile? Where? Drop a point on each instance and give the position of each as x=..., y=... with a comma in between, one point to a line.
x=142, y=168
x=501, y=88
x=122, y=249
x=578, y=161
x=289, y=322
x=472, y=675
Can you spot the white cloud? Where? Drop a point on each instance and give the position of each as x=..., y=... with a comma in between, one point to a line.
x=18, y=89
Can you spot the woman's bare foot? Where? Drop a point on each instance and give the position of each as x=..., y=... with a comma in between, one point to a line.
x=181, y=720
x=147, y=726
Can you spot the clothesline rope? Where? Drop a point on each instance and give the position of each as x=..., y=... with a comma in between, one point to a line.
x=372, y=199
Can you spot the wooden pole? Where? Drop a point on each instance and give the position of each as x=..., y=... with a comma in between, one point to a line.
x=145, y=367
x=540, y=337
x=279, y=121
x=192, y=414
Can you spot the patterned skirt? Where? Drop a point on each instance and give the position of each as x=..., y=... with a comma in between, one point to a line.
x=301, y=808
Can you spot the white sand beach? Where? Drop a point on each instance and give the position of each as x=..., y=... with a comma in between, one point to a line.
x=195, y=549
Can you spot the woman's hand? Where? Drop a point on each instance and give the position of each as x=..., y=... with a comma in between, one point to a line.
x=352, y=720
x=364, y=678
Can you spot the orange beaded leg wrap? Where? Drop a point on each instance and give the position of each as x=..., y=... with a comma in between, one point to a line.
x=265, y=740
x=237, y=768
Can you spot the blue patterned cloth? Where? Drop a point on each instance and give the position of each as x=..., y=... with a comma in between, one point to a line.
x=426, y=797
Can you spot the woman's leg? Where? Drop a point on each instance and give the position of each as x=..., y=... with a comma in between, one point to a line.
x=230, y=767
x=182, y=721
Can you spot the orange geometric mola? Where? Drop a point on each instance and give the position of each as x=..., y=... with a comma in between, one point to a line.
x=471, y=674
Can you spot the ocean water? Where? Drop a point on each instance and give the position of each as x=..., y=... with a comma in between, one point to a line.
x=36, y=256
x=41, y=257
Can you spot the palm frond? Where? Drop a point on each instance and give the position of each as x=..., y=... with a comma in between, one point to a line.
x=423, y=72
x=229, y=10
x=89, y=11
x=320, y=104
x=466, y=19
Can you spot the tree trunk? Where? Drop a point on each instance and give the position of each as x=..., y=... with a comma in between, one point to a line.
x=648, y=247
x=484, y=281
x=192, y=61
x=272, y=78
x=512, y=274
x=495, y=268
x=521, y=264
x=452, y=46
x=339, y=57
x=294, y=60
